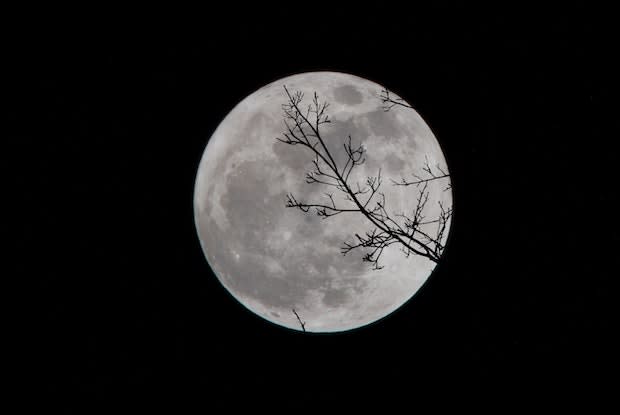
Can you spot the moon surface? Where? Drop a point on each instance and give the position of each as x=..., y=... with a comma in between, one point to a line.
x=274, y=259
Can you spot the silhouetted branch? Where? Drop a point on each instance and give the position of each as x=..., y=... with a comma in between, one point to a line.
x=431, y=175
x=389, y=102
x=302, y=323
x=303, y=127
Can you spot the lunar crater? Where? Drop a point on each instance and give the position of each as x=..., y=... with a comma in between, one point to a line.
x=348, y=94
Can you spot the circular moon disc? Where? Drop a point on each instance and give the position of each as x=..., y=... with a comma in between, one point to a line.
x=287, y=265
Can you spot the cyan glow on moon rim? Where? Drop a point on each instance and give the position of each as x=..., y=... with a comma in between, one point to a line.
x=274, y=259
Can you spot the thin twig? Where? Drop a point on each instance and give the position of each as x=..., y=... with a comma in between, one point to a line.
x=302, y=323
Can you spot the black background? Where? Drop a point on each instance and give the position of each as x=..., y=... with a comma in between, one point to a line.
x=121, y=305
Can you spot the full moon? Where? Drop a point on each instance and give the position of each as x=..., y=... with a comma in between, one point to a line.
x=287, y=265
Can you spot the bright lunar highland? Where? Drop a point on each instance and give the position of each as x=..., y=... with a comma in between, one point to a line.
x=275, y=259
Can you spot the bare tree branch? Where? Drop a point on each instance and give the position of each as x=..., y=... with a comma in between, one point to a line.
x=389, y=102
x=431, y=175
x=303, y=127
x=302, y=323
